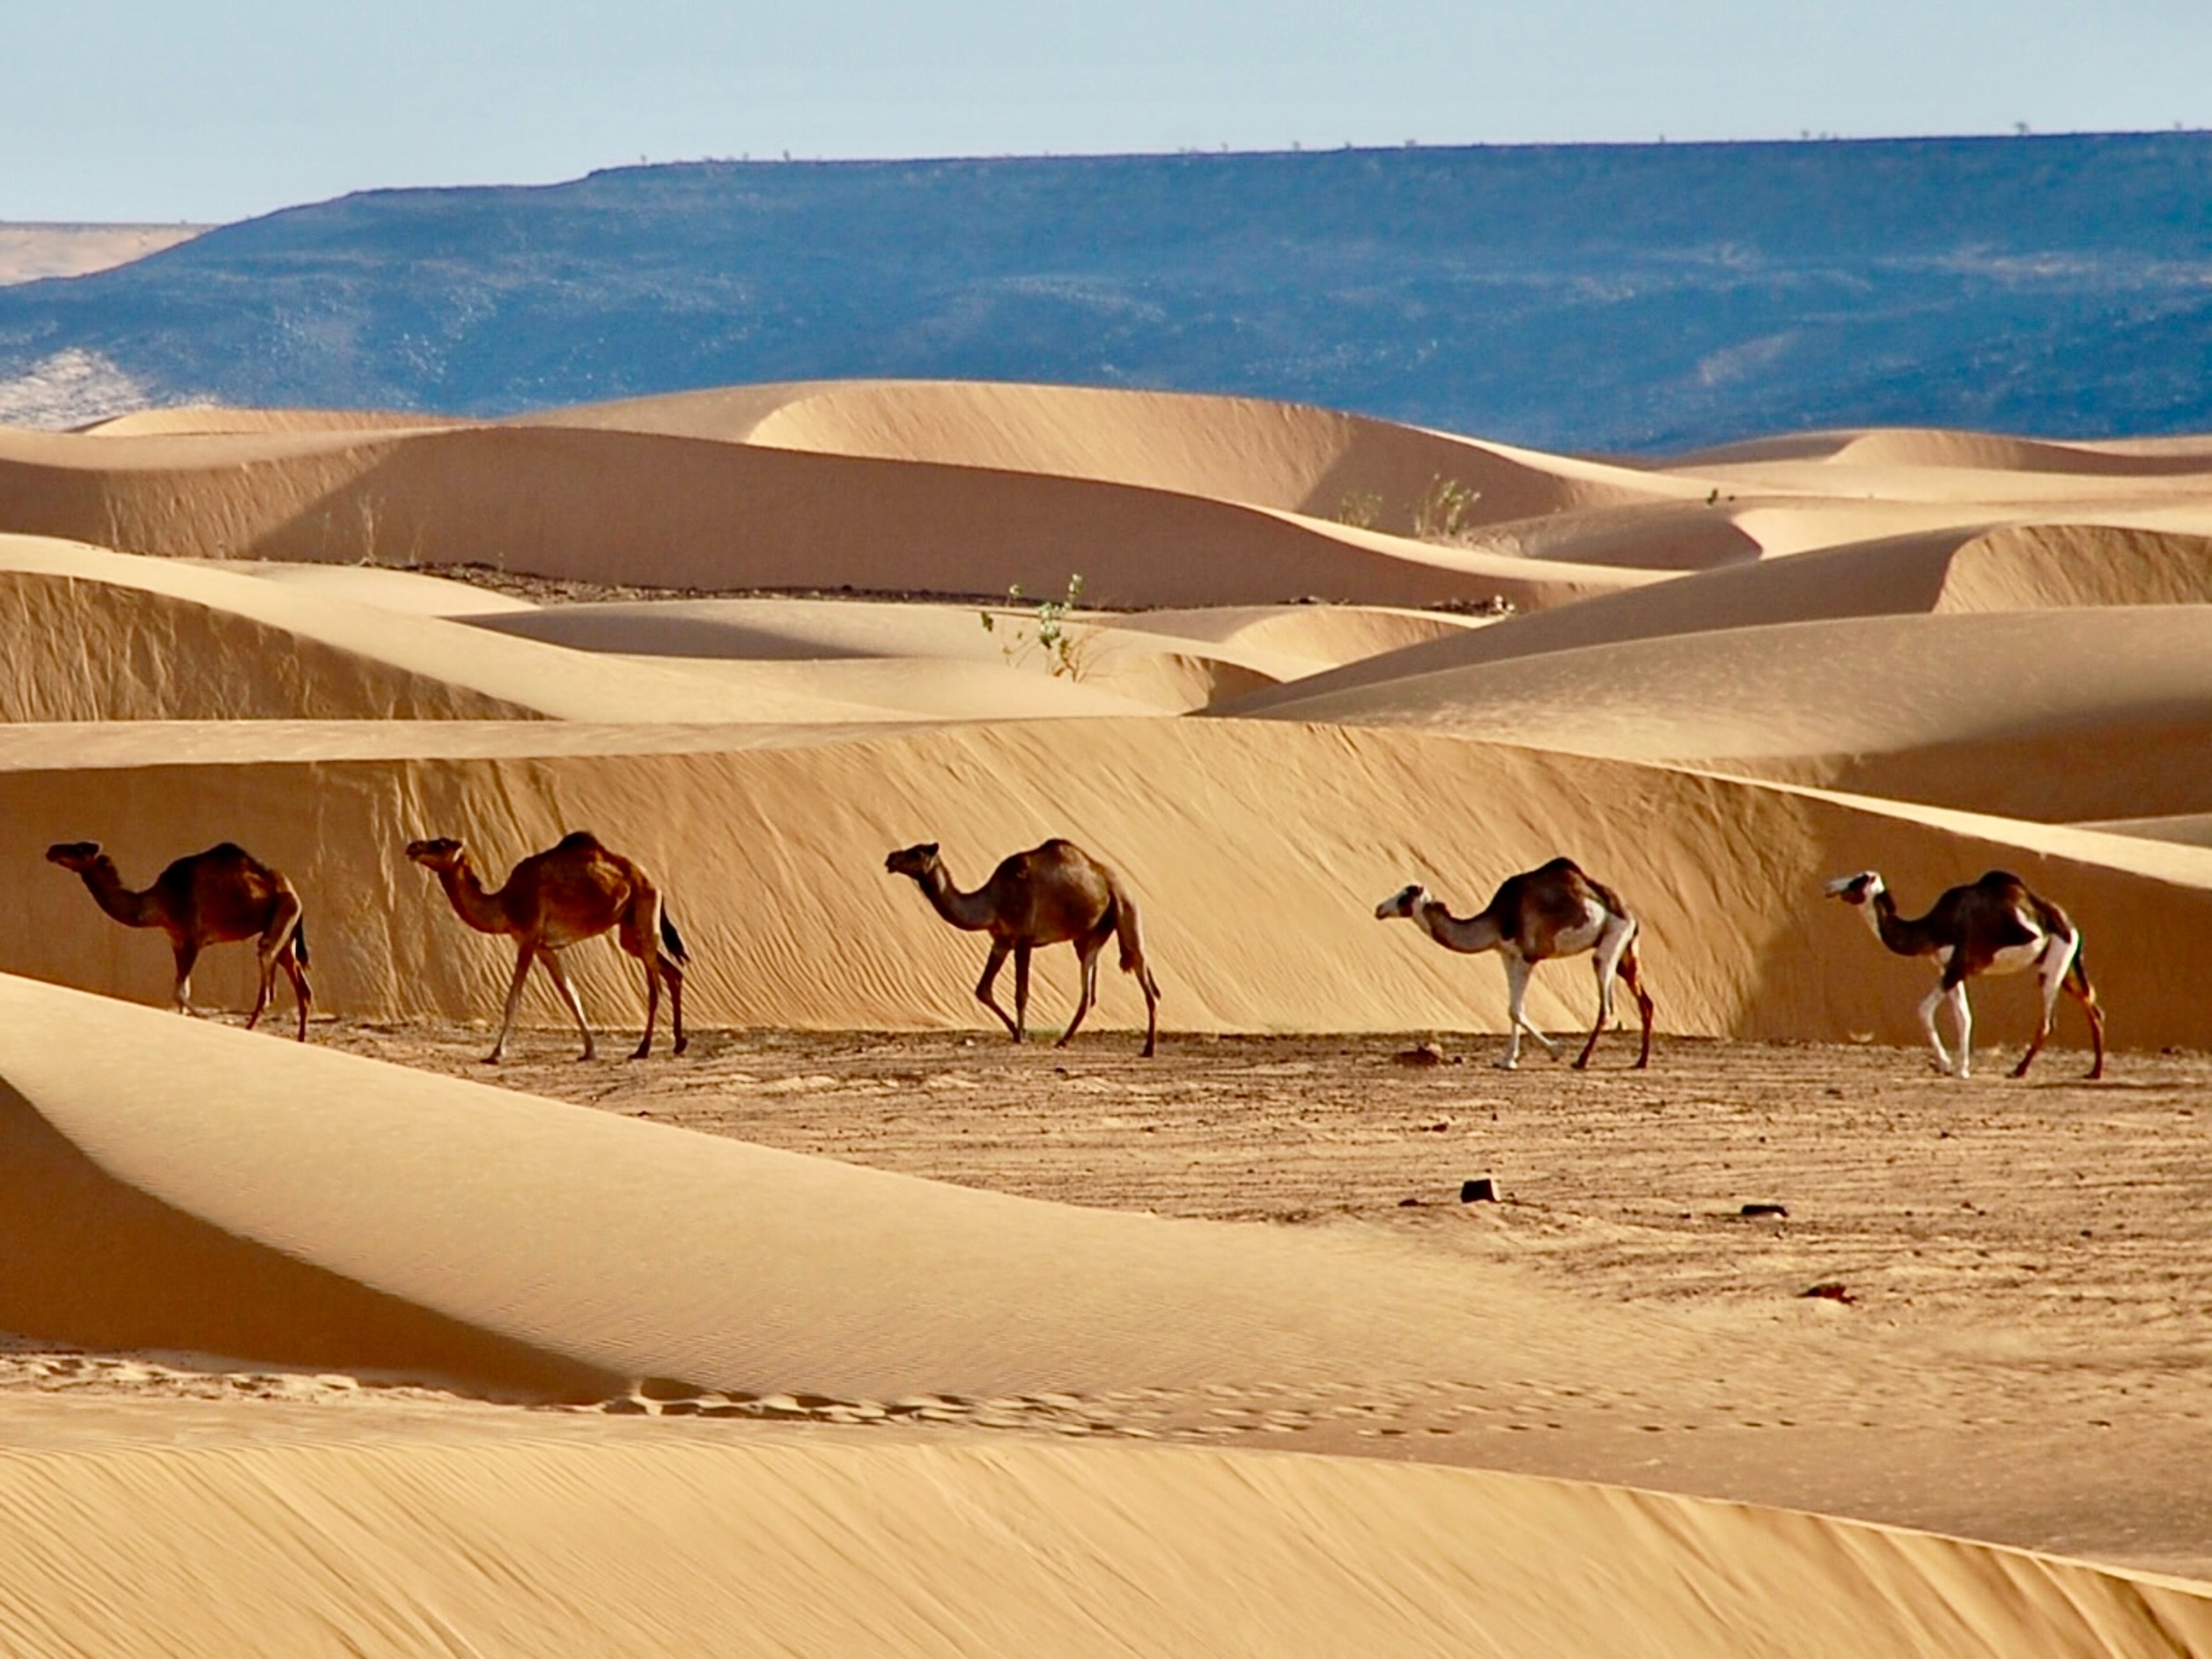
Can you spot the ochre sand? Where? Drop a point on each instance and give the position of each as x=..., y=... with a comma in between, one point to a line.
x=407, y=1362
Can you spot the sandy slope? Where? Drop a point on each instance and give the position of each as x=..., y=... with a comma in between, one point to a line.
x=325, y=1211
x=1293, y=457
x=2014, y=567
x=31, y=252
x=765, y=1545
x=773, y=856
x=674, y=511
x=1728, y=678
x=2051, y=715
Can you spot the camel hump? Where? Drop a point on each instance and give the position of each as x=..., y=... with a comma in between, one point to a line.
x=1058, y=847
x=2000, y=881
x=578, y=841
x=1561, y=865
x=229, y=851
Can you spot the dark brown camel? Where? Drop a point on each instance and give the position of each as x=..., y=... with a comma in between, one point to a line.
x=574, y=890
x=1555, y=910
x=1051, y=894
x=215, y=897
x=1994, y=927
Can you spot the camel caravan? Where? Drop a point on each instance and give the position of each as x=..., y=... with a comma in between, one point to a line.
x=1057, y=894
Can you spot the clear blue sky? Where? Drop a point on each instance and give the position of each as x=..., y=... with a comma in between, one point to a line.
x=220, y=109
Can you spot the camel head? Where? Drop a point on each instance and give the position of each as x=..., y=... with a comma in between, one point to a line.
x=1855, y=890
x=439, y=852
x=918, y=861
x=79, y=856
x=1405, y=903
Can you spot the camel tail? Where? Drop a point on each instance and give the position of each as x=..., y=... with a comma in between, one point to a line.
x=671, y=940
x=299, y=943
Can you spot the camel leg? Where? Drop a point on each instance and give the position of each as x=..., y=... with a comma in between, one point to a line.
x=1518, y=970
x=265, y=960
x=275, y=942
x=550, y=961
x=1087, y=954
x=1151, y=1008
x=1520, y=1022
x=302, y=994
x=2078, y=987
x=1020, y=990
x=1965, y=1017
x=998, y=949
x=2051, y=972
x=523, y=955
x=187, y=952
x=650, y=957
x=1929, y=1005
x=673, y=974
x=1632, y=976
x=1611, y=945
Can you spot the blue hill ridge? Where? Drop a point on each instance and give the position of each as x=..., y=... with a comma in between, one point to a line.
x=1591, y=297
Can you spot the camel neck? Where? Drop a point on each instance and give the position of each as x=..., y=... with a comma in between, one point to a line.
x=479, y=909
x=969, y=910
x=1906, y=939
x=132, y=909
x=1476, y=933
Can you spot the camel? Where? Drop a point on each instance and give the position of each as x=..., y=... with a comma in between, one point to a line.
x=1552, y=911
x=576, y=890
x=1054, y=894
x=1994, y=927
x=215, y=897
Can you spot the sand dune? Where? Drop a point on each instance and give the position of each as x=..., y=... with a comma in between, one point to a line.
x=323, y=1210
x=793, y=922
x=2048, y=715
x=768, y=1546
x=33, y=252
x=303, y=1296
x=688, y=513
x=1293, y=457
x=2015, y=567
x=109, y=635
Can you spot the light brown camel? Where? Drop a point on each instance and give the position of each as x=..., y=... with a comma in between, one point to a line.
x=1051, y=894
x=575, y=889
x=215, y=897
x=1995, y=926
x=1555, y=910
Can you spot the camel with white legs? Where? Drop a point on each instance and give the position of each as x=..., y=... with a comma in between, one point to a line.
x=1051, y=894
x=1552, y=911
x=1994, y=927
x=215, y=897
x=576, y=890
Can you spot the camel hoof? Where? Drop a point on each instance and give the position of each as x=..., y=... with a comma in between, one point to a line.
x=489, y=1059
x=681, y=1043
x=1582, y=1065
x=1505, y=1066
x=641, y=1054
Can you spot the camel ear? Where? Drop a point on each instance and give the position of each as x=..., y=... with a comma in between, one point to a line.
x=928, y=849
